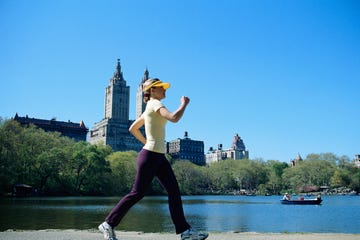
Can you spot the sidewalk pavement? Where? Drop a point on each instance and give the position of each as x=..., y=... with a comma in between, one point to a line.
x=96, y=235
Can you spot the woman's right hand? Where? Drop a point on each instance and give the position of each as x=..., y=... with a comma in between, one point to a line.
x=184, y=100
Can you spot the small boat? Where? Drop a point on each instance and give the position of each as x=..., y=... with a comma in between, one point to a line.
x=302, y=201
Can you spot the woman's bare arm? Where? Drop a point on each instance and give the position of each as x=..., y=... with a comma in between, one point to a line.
x=176, y=115
x=135, y=129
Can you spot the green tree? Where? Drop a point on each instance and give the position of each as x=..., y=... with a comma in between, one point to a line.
x=86, y=171
x=315, y=170
x=28, y=154
x=222, y=176
x=46, y=167
x=123, y=167
x=190, y=178
x=10, y=162
x=98, y=171
x=355, y=180
x=250, y=173
x=275, y=183
x=340, y=178
x=57, y=165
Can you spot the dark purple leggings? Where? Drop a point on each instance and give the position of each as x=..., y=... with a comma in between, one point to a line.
x=150, y=165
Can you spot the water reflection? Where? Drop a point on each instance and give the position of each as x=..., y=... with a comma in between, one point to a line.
x=211, y=213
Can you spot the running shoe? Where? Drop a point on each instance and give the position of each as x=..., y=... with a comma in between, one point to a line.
x=192, y=234
x=108, y=231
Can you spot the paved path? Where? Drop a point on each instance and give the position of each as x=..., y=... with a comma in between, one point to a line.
x=95, y=235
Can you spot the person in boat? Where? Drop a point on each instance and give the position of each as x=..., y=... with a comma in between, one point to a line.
x=287, y=197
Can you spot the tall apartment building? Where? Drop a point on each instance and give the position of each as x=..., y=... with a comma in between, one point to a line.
x=76, y=131
x=357, y=160
x=236, y=152
x=113, y=129
x=187, y=149
x=140, y=104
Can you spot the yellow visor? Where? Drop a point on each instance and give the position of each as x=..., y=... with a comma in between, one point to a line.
x=157, y=84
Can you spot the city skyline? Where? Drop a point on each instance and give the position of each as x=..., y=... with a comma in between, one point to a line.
x=283, y=75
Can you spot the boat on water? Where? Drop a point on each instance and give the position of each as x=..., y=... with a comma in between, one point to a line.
x=302, y=201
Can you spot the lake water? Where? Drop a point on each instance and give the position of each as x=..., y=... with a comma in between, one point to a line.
x=337, y=214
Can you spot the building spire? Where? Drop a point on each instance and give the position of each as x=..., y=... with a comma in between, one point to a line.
x=118, y=75
x=146, y=75
x=118, y=69
x=238, y=143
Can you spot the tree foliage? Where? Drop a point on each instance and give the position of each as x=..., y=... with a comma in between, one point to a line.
x=123, y=165
x=190, y=177
x=50, y=163
x=56, y=165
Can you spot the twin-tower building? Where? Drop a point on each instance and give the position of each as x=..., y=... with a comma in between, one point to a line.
x=113, y=130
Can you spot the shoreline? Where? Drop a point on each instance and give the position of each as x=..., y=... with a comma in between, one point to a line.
x=93, y=234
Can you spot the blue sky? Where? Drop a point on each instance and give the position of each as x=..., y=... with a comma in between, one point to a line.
x=284, y=75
